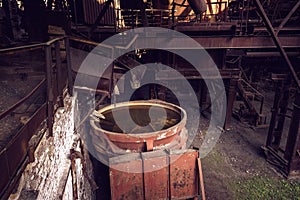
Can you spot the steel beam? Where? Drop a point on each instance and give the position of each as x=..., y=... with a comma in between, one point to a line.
x=287, y=18
x=102, y=13
x=231, y=96
x=50, y=95
x=224, y=42
x=277, y=42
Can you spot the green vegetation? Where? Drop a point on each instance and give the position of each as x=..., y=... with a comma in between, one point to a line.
x=265, y=188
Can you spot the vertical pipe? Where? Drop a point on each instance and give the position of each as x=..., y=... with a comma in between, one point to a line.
x=201, y=179
x=69, y=66
x=50, y=105
x=59, y=80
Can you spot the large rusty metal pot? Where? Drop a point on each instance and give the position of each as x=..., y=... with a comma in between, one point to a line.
x=144, y=136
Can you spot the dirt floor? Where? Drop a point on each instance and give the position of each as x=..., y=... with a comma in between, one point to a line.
x=237, y=169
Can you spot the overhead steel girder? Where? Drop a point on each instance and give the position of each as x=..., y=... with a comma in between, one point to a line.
x=287, y=18
x=277, y=41
x=225, y=42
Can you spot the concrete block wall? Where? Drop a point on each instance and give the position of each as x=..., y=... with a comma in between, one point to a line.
x=49, y=176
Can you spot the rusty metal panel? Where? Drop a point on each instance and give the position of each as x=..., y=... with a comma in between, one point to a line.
x=156, y=178
x=126, y=178
x=183, y=174
x=92, y=8
x=35, y=121
x=5, y=176
x=17, y=150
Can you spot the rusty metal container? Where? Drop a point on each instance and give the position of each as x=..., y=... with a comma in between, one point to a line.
x=156, y=125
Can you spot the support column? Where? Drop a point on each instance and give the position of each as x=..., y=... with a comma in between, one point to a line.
x=231, y=96
x=283, y=105
x=292, y=151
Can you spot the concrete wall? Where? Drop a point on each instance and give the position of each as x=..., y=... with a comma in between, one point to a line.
x=49, y=176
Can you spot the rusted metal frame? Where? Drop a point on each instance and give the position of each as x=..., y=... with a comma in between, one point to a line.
x=231, y=96
x=274, y=112
x=252, y=88
x=69, y=66
x=28, y=47
x=201, y=179
x=102, y=13
x=225, y=74
x=84, y=41
x=231, y=42
x=5, y=172
x=35, y=121
x=91, y=111
x=287, y=18
x=277, y=42
x=21, y=49
x=59, y=80
x=281, y=116
x=50, y=95
x=292, y=149
x=177, y=179
x=279, y=160
x=4, y=194
x=19, y=142
x=183, y=163
x=13, y=107
x=155, y=179
x=142, y=8
x=209, y=3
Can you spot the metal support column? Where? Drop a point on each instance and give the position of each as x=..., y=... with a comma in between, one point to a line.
x=59, y=80
x=279, y=110
x=100, y=16
x=50, y=96
x=231, y=96
x=292, y=152
x=69, y=66
x=274, y=112
x=283, y=105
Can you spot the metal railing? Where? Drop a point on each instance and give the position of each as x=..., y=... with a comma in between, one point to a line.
x=18, y=152
x=130, y=18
